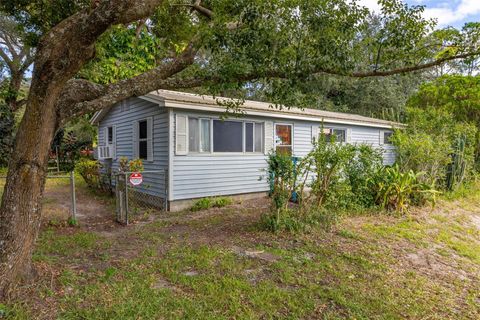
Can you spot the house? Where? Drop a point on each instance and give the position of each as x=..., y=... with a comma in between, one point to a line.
x=203, y=155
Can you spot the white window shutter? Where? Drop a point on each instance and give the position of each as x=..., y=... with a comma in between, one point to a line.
x=135, y=139
x=268, y=136
x=314, y=133
x=114, y=142
x=348, y=135
x=150, y=139
x=381, y=137
x=181, y=147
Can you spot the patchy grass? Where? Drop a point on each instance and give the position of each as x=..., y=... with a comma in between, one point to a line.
x=213, y=265
x=207, y=203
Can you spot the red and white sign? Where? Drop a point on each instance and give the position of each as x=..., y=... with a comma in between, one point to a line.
x=136, y=178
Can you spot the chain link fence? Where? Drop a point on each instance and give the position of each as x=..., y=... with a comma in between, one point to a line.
x=56, y=181
x=140, y=194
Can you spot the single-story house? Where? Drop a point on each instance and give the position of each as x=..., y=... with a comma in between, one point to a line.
x=205, y=155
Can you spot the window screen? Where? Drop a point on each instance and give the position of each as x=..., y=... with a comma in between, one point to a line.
x=258, y=137
x=249, y=137
x=204, y=135
x=193, y=135
x=227, y=136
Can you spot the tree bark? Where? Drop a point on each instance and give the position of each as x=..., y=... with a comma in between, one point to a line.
x=21, y=202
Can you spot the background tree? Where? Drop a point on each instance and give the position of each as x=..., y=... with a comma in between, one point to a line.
x=218, y=44
x=15, y=57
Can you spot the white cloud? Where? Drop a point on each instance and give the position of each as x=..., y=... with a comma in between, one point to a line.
x=448, y=14
x=445, y=12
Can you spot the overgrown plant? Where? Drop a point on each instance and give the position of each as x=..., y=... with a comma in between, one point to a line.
x=134, y=165
x=91, y=172
x=397, y=190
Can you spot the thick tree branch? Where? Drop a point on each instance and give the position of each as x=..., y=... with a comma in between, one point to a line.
x=98, y=97
x=105, y=96
x=199, y=8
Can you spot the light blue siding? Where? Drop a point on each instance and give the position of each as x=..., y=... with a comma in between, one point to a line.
x=204, y=175
x=122, y=116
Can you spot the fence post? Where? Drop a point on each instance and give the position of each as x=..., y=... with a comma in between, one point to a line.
x=74, y=200
x=126, y=198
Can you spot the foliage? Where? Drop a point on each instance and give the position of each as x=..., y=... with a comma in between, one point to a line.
x=359, y=170
x=207, y=203
x=397, y=190
x=459, y=97
x=429, y=144
x=327, y=161
x=90, y=170
x=69, y=142
x=7, y=125
x=337, y=176
x=134, y=165
x=282, y=176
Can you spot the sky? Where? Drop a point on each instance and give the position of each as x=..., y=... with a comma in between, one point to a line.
x=447, y=12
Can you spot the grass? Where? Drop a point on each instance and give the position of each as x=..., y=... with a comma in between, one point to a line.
x=184, y=268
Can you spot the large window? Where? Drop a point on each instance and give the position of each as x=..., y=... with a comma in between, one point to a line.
x=215, y=135
x=283, y=138
x=227, y=136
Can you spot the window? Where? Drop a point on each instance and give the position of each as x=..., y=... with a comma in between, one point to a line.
x=109, y=135
x=143, y=145
x=214, y=135
x=142, y=140
x=387, y=137
x=336, y=135
x=253, y=137
x=198, y=135
x=227, y=136
x=283, y=138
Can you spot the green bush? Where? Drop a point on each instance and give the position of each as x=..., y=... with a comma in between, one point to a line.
x=90, y=170
x=436, y=144
x=397, y=190
x=207, y=203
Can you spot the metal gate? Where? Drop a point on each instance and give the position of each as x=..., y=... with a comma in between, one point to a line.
x=134, y=200
x=70, y=176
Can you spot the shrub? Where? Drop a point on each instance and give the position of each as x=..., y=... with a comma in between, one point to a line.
x=282, y=178
x=134, y=165
x=207, y=203
x=90, y=170
x=397, y=190
x=434, y=143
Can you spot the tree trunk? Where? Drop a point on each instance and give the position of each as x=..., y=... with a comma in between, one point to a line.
x=20, y=211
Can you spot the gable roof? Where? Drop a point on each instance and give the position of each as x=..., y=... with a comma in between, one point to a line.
x=190, y=101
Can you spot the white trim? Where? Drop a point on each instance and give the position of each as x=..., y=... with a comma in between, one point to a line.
x=171, y=152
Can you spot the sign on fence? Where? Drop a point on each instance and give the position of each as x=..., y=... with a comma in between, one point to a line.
x=136, y=179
